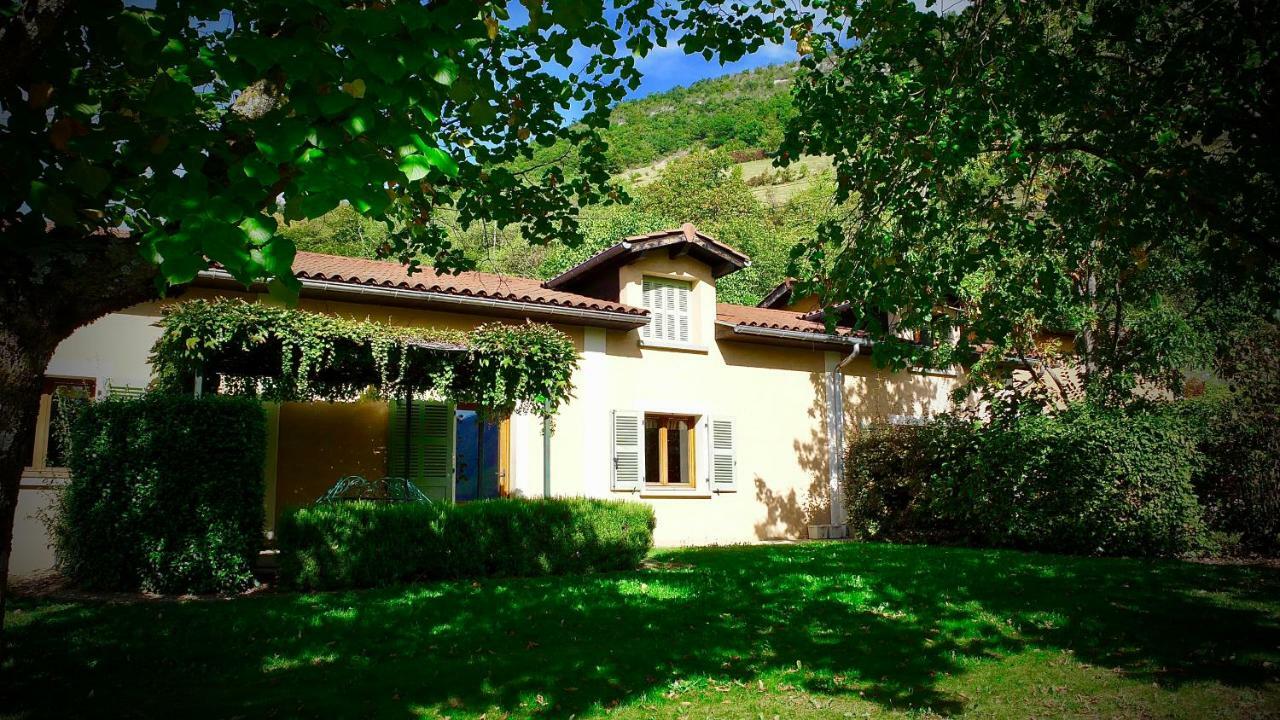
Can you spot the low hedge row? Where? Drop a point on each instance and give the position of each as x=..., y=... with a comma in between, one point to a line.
x=1085, y=481
x=366, y=544
x=165, y=494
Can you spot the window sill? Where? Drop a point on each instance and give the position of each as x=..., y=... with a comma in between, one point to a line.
x=674, y=345
x=674, y=492
x=45, y=477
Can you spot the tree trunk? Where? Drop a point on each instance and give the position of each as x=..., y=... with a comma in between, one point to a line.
x=68, y=282
x=22, y=367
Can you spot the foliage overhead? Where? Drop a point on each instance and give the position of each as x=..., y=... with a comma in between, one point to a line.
x=190, y=123
x=289, y=354
x=1105, y=168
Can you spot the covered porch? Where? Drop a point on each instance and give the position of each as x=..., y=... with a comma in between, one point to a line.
x=355, y=397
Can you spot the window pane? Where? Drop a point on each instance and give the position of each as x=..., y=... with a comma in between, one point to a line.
x=651, y=466
x=677, y=451
x=66, y=399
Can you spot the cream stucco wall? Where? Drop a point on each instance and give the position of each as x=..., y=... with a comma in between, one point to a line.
x=779, y=397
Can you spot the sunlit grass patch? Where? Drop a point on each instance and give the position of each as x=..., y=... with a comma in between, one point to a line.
x=824, y=630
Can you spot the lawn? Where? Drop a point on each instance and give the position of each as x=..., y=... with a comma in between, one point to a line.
x=817, y=630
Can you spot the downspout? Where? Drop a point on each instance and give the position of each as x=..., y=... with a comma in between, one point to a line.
x=836, y=422
x=546, y=454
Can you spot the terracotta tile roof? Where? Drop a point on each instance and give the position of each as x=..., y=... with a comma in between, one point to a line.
x=722, y=258
x=333, y=268
x=774, y=319
x=688, y=232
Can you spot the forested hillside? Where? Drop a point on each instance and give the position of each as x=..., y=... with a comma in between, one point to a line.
x=741, y=112
x=692, y=154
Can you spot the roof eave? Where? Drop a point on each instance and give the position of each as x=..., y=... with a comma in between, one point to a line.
x=777, y=295
x=721, y=258
x=791, y=338
x=427, y=299
x=586, y=266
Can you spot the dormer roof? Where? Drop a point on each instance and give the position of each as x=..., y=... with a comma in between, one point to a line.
x=779, y=297
x=686, y=240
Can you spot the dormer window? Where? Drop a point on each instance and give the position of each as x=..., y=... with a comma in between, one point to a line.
x=668, y=304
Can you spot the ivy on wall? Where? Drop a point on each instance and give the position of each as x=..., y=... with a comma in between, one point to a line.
x=275, y=353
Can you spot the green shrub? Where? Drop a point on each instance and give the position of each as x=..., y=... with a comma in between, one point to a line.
x=166, y=494
x=1086, y=481
x=887, y=471
x=1239, y=481
x=364, y=544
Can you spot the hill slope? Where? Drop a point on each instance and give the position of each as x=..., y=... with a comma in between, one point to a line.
x=743, y=113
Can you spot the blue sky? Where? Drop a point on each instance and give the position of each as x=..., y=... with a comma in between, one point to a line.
x=669, y=67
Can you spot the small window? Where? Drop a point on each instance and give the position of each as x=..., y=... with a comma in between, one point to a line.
x=668, y=304
x=59, y=401
x=668, y=450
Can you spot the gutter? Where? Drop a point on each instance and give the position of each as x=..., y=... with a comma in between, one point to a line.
x=603, y=318
x=799, y=335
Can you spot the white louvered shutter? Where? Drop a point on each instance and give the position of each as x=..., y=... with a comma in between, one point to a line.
x=681, y=311
x=724, y=475
x=628, y=450
x=668, y=304
x=650, y=304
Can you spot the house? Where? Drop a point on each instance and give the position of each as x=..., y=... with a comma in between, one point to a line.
x=727, y=419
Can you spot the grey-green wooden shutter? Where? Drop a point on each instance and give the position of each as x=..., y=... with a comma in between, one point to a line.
x=724, y=462
x=628, y=450
x=430, y=432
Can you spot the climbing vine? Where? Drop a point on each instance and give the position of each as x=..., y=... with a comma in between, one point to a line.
x=242, y=348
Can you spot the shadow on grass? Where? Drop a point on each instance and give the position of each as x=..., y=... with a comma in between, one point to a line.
x=887, y=622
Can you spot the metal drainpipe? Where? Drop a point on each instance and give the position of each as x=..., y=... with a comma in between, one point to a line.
x=837, y=457
x=546, y=454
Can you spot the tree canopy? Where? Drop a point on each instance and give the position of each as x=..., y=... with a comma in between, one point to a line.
x=192, y=123
x=1102, y=168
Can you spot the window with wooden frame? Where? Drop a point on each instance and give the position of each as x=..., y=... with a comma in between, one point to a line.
x=669, y=450
x=668, y=304
x=58, y=401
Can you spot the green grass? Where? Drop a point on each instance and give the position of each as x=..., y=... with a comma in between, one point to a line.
x=813, y=631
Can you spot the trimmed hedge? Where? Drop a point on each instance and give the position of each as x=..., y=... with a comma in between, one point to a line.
x=1086, y=481
x=365, y=544
x=166, y=494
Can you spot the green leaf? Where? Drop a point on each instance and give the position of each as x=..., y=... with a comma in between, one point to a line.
x=442, y=161
x=92, y=180
x=278, y=255
x=183, y=268
x=225, y=244
x=415, y=167
x=446, y=71
x=358, y=123
x=285, y=289
x=260, y=169
x=259, y=228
